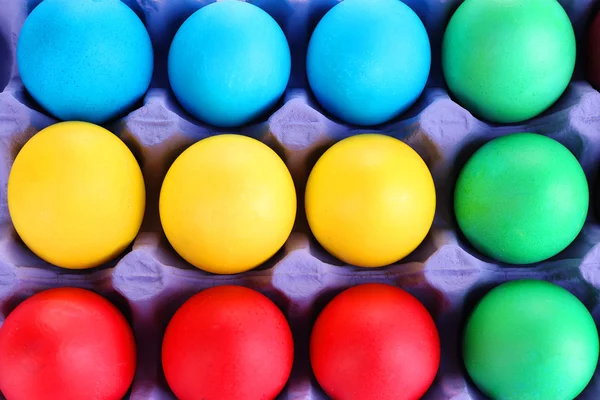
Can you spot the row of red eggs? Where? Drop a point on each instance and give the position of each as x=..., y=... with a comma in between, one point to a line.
x=366, y=63
x=76, y=197
x=524, y=340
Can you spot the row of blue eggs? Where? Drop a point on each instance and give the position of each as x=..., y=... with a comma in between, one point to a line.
x=229, y=63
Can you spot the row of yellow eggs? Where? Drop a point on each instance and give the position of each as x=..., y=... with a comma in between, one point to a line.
x=76, y=197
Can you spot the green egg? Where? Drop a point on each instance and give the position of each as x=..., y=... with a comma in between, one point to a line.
x=521, y=198
x=530, y=340
x=508, y=60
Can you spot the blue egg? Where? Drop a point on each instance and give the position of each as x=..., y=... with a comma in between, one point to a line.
x=229, y=63
x=86, y=60
x=368, y=60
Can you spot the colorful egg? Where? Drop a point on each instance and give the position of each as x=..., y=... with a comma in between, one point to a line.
x=228, y=342
x=521, y=198
x=67, y=344
x=228, y=204
x=85, y=60
x=530, y=340
x=76, y=195
x=229, y=63
x=508, y=60
x=375, y=341
x=370, y=200
x=368, y=60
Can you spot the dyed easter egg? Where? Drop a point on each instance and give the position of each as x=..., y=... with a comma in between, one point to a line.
x=229, y=63
x=228, y=204
x=508, y=60
x=85, y=60
x=368, y=60
x=67, y=344
x=374, y=341
x=228, y=342
x=76, y=195
x=370, y=200
x=521, y=198
x=529, y=340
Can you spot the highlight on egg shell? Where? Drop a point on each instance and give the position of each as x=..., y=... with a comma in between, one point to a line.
x=76, y=195
x=227, y=204
x=370, y=200
x=85, y=60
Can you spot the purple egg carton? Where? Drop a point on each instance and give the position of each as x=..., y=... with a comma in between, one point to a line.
x=150, y=281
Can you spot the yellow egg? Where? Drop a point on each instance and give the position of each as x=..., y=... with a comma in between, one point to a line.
x=227, y=204
x=76, y=195
x=370, y=200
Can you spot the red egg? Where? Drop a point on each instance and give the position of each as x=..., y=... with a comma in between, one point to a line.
x=227, y=342
x=375, y=341
x=593, y=53
x=67, y=344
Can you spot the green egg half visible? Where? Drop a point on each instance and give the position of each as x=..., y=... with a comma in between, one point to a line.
x=508, y=60
x=530, y=340
x=521, y=198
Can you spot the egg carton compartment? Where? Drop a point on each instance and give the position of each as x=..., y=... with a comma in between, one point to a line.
x=150, y=281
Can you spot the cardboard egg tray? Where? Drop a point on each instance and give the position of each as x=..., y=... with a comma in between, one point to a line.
x=150, y=281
